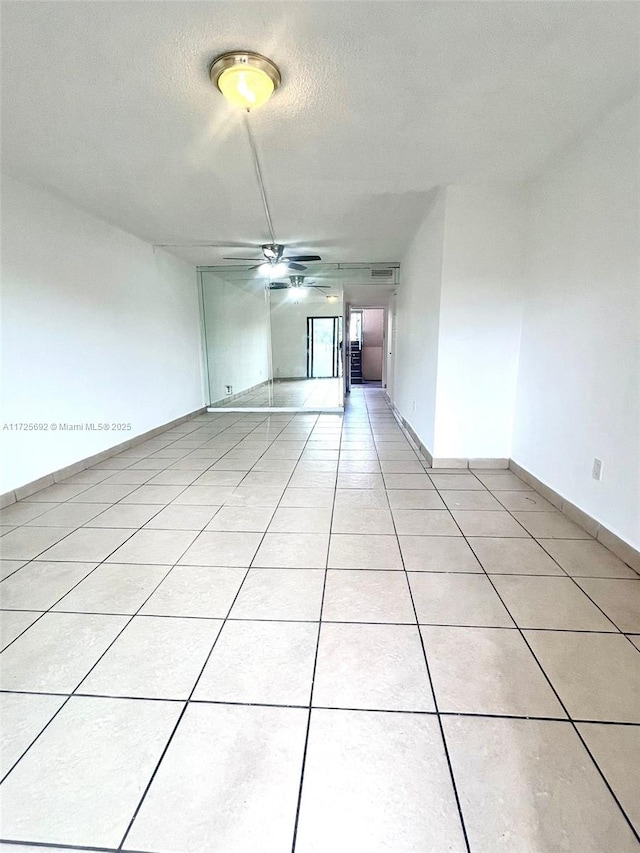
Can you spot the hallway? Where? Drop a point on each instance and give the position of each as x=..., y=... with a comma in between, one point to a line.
x=274, y=632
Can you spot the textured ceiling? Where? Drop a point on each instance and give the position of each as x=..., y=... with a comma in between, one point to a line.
x=109, y=104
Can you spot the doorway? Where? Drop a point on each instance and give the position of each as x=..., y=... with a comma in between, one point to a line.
x=372, y=345
x=324, y=343
x=366, y=345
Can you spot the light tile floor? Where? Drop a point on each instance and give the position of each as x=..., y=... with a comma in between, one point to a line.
x=282, y=633
x=307, y=393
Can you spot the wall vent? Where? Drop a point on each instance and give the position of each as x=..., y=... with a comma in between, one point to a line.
x=382, y=273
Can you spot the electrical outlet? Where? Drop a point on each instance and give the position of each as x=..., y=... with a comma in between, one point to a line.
x=228, y=389
x=597, y=469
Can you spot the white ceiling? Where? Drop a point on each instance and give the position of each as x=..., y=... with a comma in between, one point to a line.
x=369, y=295
x=110, y=105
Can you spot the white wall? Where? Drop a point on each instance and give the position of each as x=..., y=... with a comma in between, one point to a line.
x=388, y=370
x=289, y=331
x=237, y=334
x=96, y=327
x=518, y=324
x=480, y=320
x=579, y=387
x=415, y=363
x=458, y=316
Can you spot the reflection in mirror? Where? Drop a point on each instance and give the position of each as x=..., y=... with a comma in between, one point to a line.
x=306, y=345
x=273, y=344
x=236, y=323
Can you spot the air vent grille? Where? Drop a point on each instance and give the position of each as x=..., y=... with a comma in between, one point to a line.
x=382, y=273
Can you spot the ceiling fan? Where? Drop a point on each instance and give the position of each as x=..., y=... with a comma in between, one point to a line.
x=296, y=282
x=275, y=262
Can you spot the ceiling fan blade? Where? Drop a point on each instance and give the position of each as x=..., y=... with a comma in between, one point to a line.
x=293, y=266
x=302, y=258
x=319, y=286
x=278, y=285
x=241, y=259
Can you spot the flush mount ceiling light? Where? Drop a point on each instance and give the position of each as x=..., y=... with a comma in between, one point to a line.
x=246, y=79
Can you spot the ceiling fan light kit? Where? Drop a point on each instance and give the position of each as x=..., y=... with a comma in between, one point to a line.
x=273, y=270
x=276, y=263
x=297, y=283
x=246, y=79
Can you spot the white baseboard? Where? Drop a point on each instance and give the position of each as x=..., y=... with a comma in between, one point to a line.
x=62, y=473
x=623, y=550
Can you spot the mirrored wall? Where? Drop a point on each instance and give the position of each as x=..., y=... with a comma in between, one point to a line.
x=273, y=345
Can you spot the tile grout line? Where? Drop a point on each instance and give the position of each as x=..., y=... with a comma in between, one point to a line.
x=193, y=689
x=132, y=616
x=432, y=687
x=56, y=846
x=564, y=708
x=156, y=472
x=595, y=603
x=99, y=565
x=393, y=711
x=69, y=695
x=315, y=659
x=307, y=621
x=84, y=613
x=229, y=618
x=179, y=720
x=567, y=573
x=134, y=530
x=563, y=576
x=614, y=796
x=499, y=471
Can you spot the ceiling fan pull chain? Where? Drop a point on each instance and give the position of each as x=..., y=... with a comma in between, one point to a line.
x=256, y=163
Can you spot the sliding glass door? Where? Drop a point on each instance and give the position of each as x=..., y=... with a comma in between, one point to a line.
x=324, y=347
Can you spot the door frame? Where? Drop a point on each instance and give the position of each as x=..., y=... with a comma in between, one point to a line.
x=335, y=362
x=385, y=335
